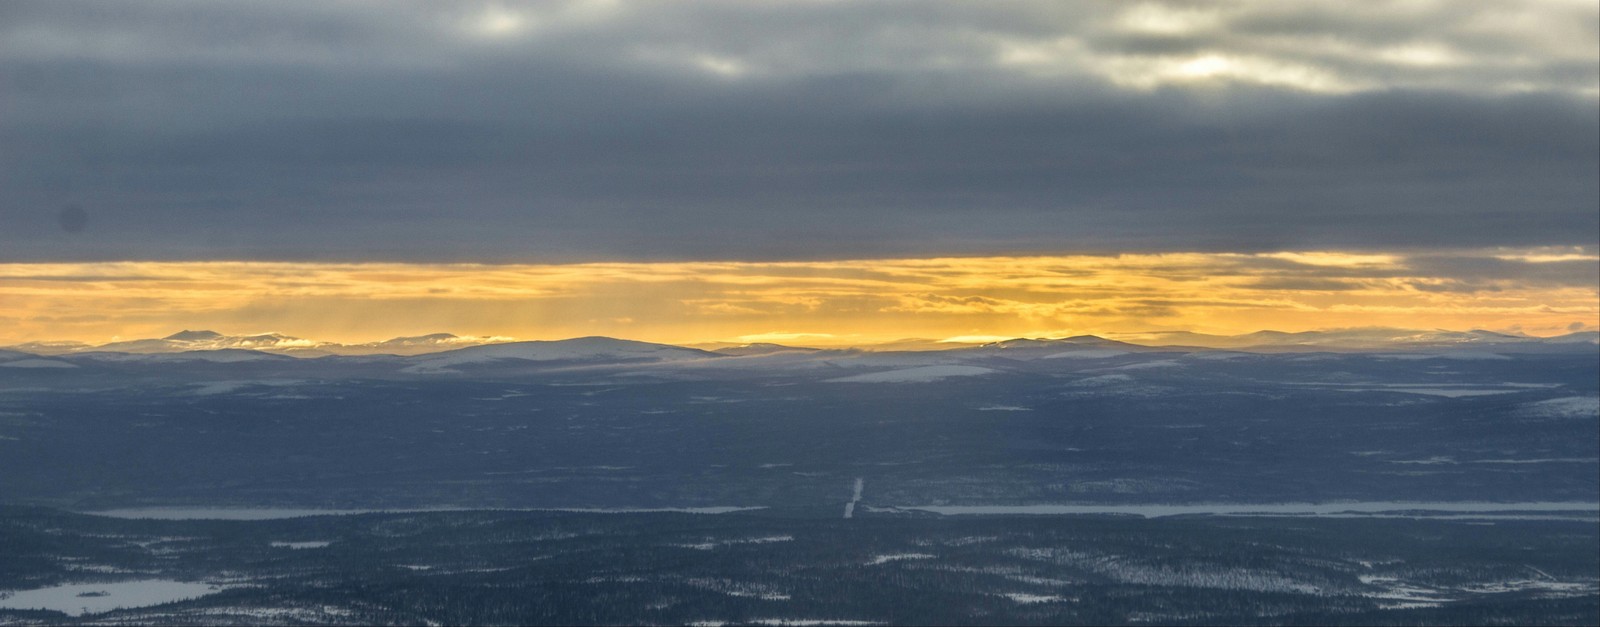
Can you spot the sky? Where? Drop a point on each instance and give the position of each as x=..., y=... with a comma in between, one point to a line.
x=552, y=169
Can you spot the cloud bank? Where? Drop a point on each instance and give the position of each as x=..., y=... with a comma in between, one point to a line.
x=595, y=130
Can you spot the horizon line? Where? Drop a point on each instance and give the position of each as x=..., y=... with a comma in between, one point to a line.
x=1128, y=337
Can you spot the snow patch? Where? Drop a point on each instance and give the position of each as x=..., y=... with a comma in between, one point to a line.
x=895, y=557
x=311, y=544
x=1023, y=597
x=1565, y=407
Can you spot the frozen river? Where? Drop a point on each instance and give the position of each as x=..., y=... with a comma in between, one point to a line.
x=279, y=513
x=1538, y=510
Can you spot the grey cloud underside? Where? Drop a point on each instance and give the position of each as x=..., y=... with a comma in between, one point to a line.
x=833, y=130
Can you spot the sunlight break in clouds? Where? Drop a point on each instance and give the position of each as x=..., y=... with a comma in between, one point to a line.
x=818, y=303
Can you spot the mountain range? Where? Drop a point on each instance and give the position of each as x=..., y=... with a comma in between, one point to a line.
x=1366, y=339
x=187, y=341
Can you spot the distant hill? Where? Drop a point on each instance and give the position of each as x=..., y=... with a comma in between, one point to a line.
x=583, y=349
x=1366, y=339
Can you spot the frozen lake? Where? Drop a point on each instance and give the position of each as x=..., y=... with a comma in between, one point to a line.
x=1574, y=511
x=92, y=598
x=278, y=513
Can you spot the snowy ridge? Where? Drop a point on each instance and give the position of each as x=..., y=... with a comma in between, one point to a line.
x=191, y=341
x=1406, y=343
x=577, y=349
x=36, y=363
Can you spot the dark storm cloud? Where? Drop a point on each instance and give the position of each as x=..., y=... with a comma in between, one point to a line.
x=579, y=131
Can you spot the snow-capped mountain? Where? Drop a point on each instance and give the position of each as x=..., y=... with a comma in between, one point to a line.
x=1082, y=346
x=761, y=348
x=582, y=349
x=206, y=340
x=446, y=345
x=1365, y=338
x=186, y=340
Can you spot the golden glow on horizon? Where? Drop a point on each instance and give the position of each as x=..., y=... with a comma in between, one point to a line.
x=825, y=303
x=1343, y=260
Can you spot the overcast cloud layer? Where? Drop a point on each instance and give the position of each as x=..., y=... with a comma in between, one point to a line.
x=794, y=130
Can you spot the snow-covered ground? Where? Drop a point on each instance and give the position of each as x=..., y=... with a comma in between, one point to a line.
x=1397, y=595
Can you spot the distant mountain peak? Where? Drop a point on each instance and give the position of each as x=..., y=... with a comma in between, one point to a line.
x=1011, y=344
x=761, y=348
x=431, y=338
x=1076, y=340
x=193, y=336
